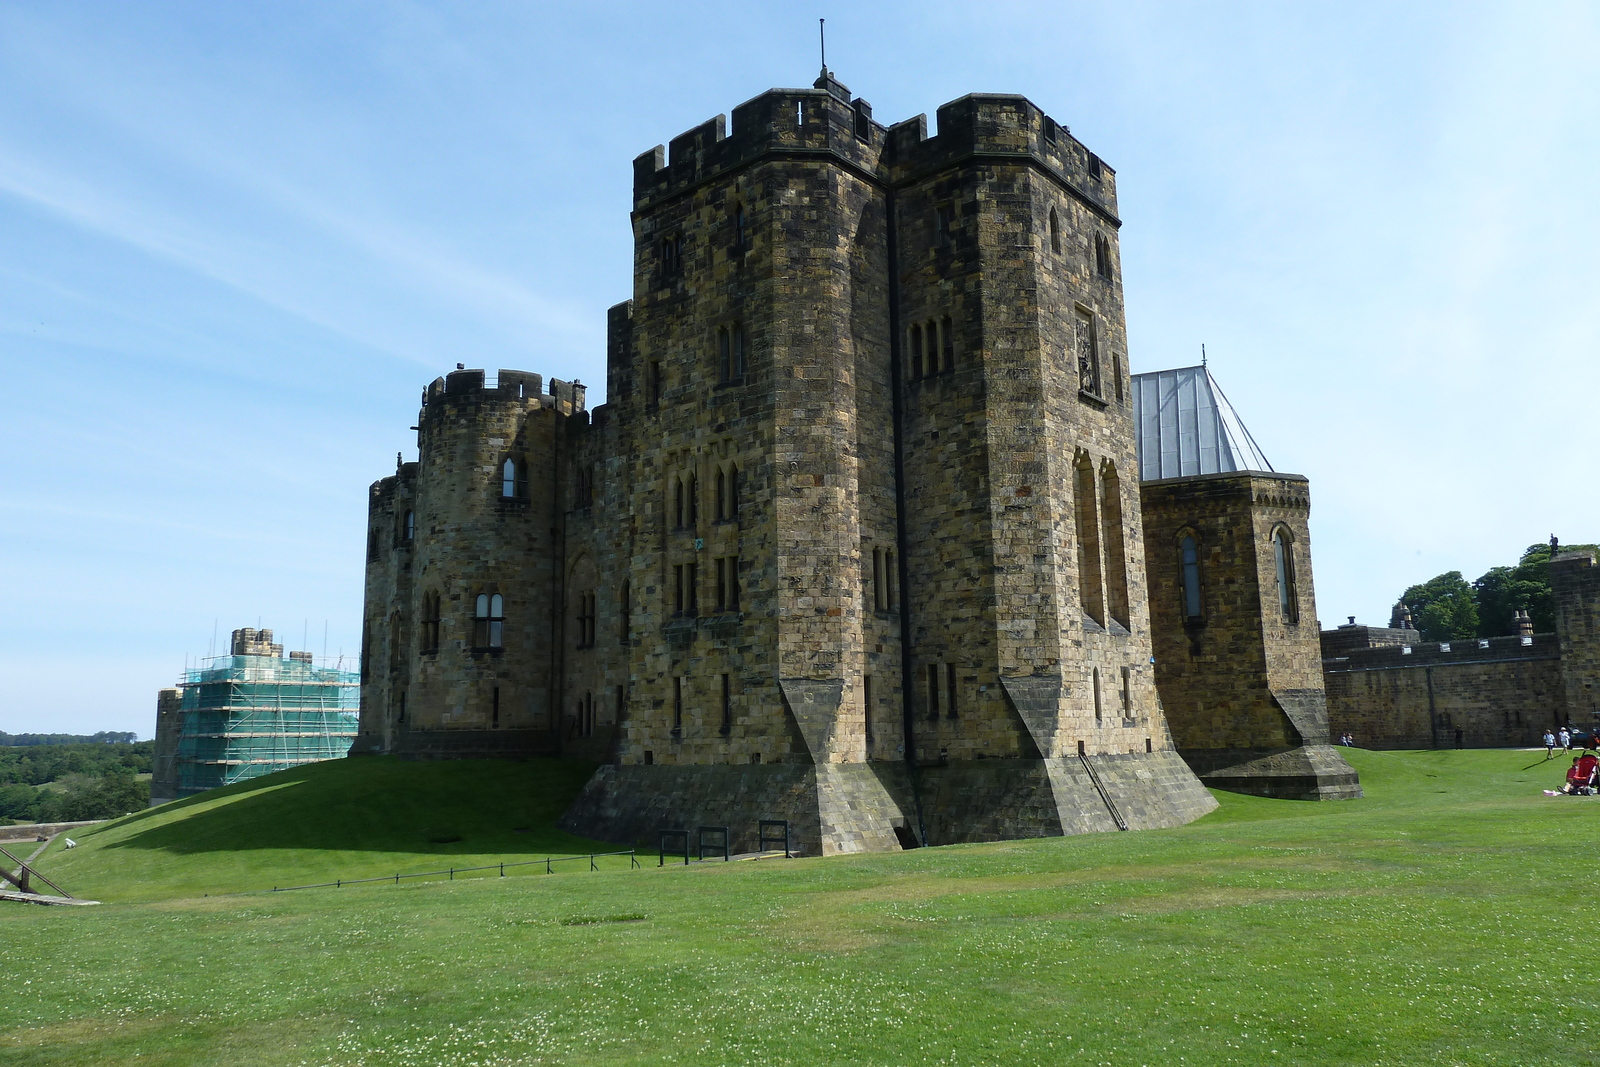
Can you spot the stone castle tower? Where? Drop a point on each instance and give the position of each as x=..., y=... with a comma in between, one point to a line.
x=855, y=541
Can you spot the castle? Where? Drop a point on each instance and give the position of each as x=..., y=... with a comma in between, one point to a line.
x=858, y=540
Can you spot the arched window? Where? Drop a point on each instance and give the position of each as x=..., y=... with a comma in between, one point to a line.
x=1091, y=587
x=488, y=622
x=408, y=528
x=1283, y=559
x=692, y=490
x=678, y=513
x=1102, y=256
x=721, y=514
x=1113, y=541
x=1055, y=231
x=513, y=479
x=1189, y=556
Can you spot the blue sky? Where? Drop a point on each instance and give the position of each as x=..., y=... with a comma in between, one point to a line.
x=236, y=241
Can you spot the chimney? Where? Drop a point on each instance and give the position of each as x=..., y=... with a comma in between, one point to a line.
x=1524, y=624
x=1400, y=617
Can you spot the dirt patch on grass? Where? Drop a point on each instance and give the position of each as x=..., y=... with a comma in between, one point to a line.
x=80, y=1031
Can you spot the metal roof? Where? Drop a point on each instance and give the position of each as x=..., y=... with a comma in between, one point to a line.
x=1186, y=427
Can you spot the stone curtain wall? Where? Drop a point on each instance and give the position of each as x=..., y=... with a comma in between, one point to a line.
x=1575, y=580
x=1501, y=696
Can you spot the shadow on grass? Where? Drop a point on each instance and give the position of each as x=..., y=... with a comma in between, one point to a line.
x=373, y=803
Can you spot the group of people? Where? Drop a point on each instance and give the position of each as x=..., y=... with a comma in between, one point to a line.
x=1347, y=740
x=1551, y=740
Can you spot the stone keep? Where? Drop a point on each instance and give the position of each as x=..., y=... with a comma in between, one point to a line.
x=854, y=541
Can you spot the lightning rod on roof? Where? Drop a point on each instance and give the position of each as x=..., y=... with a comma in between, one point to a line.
x=1202, y=354
x=822, y=42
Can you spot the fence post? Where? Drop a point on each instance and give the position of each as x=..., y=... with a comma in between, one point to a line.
x=452, y=874
x=502, y=870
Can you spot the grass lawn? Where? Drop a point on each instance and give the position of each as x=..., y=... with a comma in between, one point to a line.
x=1440, y=921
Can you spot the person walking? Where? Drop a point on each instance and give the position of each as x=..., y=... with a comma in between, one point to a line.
x=1549, y=745
x=1566, y=740
x=1461, y=735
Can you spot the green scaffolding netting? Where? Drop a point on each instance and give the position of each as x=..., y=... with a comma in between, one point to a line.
x=245, y=716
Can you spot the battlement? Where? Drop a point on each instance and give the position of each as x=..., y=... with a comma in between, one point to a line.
x=827, y=120
x=998, y=124
x=511, y=386
x=823, y=120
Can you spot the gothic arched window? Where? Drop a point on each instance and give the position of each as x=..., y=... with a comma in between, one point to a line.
x=1283, y=560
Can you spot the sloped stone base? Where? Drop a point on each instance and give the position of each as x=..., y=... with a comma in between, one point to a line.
x=1309, y=772
x=869, y=807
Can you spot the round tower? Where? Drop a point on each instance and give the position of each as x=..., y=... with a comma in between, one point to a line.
x=477, y=669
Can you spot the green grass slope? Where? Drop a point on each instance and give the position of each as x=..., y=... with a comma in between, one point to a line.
x=1440, y=921
x=343, y=819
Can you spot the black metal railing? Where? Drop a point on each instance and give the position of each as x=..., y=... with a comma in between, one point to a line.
x=548, y=863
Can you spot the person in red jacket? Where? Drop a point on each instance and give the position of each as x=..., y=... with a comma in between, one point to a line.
x=1580, y=778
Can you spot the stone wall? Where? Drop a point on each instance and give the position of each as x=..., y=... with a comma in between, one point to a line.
x=1575, y=581
x=1501, y=692
x=164, y=758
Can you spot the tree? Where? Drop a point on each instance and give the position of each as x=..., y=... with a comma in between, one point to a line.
x=1443, y=607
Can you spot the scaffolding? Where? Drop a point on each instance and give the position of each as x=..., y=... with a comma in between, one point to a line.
x=248, y=715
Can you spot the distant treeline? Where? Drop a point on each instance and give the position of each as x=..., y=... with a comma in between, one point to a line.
x=90, y=779
x=104, y=737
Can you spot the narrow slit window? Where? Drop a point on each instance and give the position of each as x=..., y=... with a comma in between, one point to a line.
x=724, y=355
x=933, y=691
x=655, y=382
x=950, y=690
x=1190, y=554
x=494, y=708
x=693, y=492
x=1099, y=712
x=733, y=493
x=691, y=578
x=1091, y=587
x=1055, y=231
x=409, y=528
x=722, y=583
x=930, y=357
x=677, y=704
x=866, y=704
x=737, y=335
x=677, y=589
x=916, y=352
x=949, y=340
x=1113, y=540
x=733, y=583
x=738, y=227
x=508, y=479
x=625, y=612
x=722, y=495
x=1127, y=693
x=1283, y=557
x=727, y=705
x=678, y=511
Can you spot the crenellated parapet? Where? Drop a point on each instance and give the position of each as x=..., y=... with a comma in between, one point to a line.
x=825, y=121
